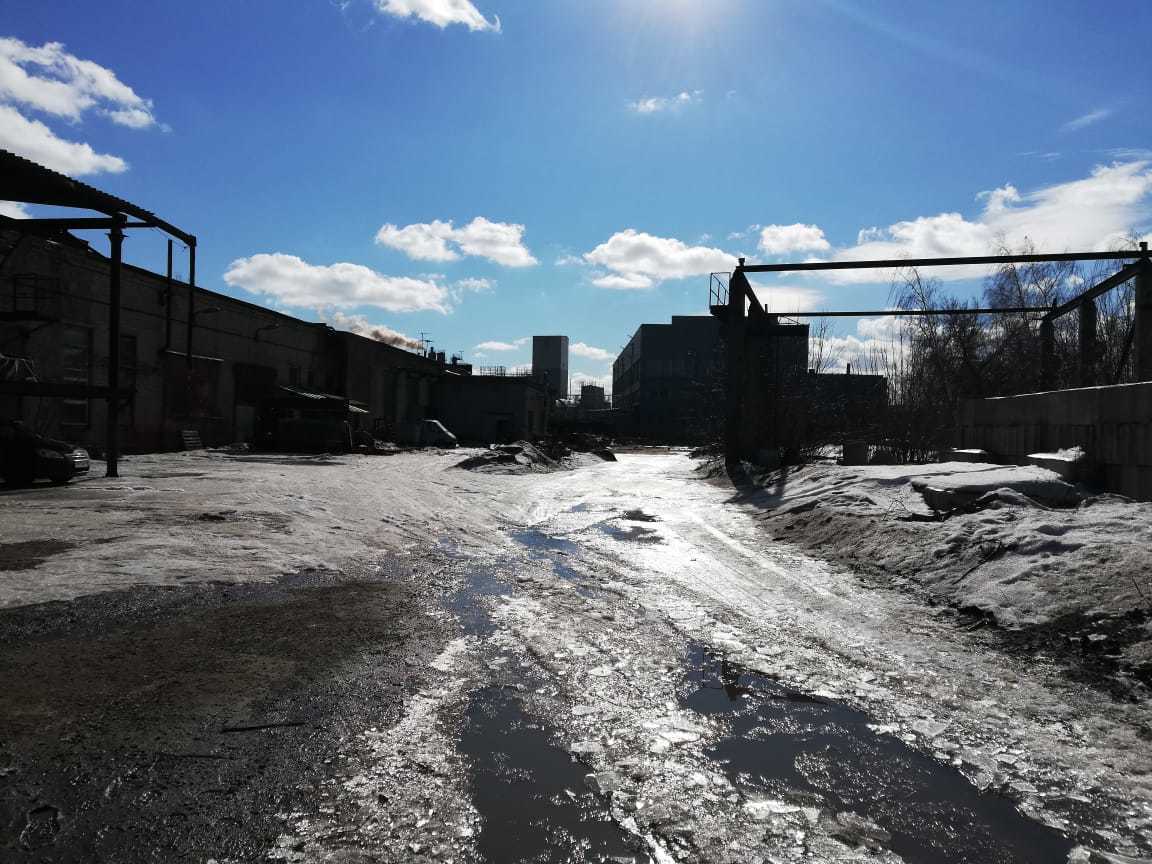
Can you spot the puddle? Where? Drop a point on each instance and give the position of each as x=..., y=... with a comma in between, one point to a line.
x=538, y=541
x=578, y=581
x=28, y=554
x=638, y=516
x=580, y=508
x=631, y=534
x=468, y=602
x=821, y=754
x=531, y=795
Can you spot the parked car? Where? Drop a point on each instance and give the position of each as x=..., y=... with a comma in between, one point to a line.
x=26, y=456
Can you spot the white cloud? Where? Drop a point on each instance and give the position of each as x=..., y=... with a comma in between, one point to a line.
x=1092, y=213
x=440, y=12
x=360, y=325
x=13, y=210
x=50, y=80
x=514, y=345
x=474, y=285
x=780, y=239
x=1087, y=119
x=591, y=352
x=786, y=299
x=501, y=242
x=657, y=104
x=471, y=285
x=876, y=342
x=629, y=282
x=637, y=260
x=34, y=140
x=579, y=379
x=295, y=282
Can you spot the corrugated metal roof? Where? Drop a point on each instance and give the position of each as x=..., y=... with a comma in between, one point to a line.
x=28, y=182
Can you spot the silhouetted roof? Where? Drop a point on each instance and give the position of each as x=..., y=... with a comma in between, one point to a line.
x=25, y=181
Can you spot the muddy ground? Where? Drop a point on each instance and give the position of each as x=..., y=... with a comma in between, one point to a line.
x=165, y=724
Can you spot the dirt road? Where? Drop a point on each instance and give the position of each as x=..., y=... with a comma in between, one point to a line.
x=357, y=659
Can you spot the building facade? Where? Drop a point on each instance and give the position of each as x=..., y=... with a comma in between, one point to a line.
x=668, y=379
x=54, y=315
x=669, y=384
x=550, y=363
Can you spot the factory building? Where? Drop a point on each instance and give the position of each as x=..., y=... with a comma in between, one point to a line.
x=550, y=363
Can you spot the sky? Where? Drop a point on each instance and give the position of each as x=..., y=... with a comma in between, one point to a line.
x=479, y=171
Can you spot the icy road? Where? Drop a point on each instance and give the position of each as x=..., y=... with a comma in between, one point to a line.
x=607, y=663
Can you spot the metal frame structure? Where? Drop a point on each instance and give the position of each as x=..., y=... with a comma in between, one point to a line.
x=26, y=182
x=729, y=302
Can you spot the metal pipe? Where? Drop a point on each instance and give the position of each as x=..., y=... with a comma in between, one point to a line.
x=900, y=263
x=880, y=313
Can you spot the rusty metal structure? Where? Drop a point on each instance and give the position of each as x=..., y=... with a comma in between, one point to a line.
x=736, y=303
x=26, y=182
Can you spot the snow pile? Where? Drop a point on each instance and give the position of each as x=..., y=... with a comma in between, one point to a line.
x=520, y=458
x=1017, y=544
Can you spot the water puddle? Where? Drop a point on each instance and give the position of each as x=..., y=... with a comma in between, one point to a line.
x=817, y=754
x=631, y=534
x=469, y=604
x=538, y=541
x=638, y=516
x=531, y=795
x=577, y=580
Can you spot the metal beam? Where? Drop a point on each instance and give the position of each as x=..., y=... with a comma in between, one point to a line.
x=78, y=223
x=881, y=313
x=1114, y=281
x=899, y=263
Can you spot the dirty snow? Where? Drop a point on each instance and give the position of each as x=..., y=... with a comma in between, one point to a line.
x=602, y=615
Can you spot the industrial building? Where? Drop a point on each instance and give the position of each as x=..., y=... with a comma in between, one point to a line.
x=668, y=382
x=550, y=363
x=54, y=319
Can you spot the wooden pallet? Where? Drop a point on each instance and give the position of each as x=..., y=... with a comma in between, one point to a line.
x=191, y=438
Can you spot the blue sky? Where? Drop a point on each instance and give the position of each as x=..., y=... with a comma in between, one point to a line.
x=482, y=170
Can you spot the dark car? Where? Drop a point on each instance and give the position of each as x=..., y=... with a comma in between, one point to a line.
x=26, y=456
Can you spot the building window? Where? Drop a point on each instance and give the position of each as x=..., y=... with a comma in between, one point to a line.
x=76, y=353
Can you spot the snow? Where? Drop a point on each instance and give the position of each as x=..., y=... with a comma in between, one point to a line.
x=604, y=621
x=266, y=516
x=1019, y=560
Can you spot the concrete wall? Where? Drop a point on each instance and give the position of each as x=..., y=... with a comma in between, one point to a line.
x=1112, y=424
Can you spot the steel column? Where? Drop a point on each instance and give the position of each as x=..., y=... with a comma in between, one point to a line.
x=1142, y=322
x=734, y=330
x=191, y=323
x=112, y=437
